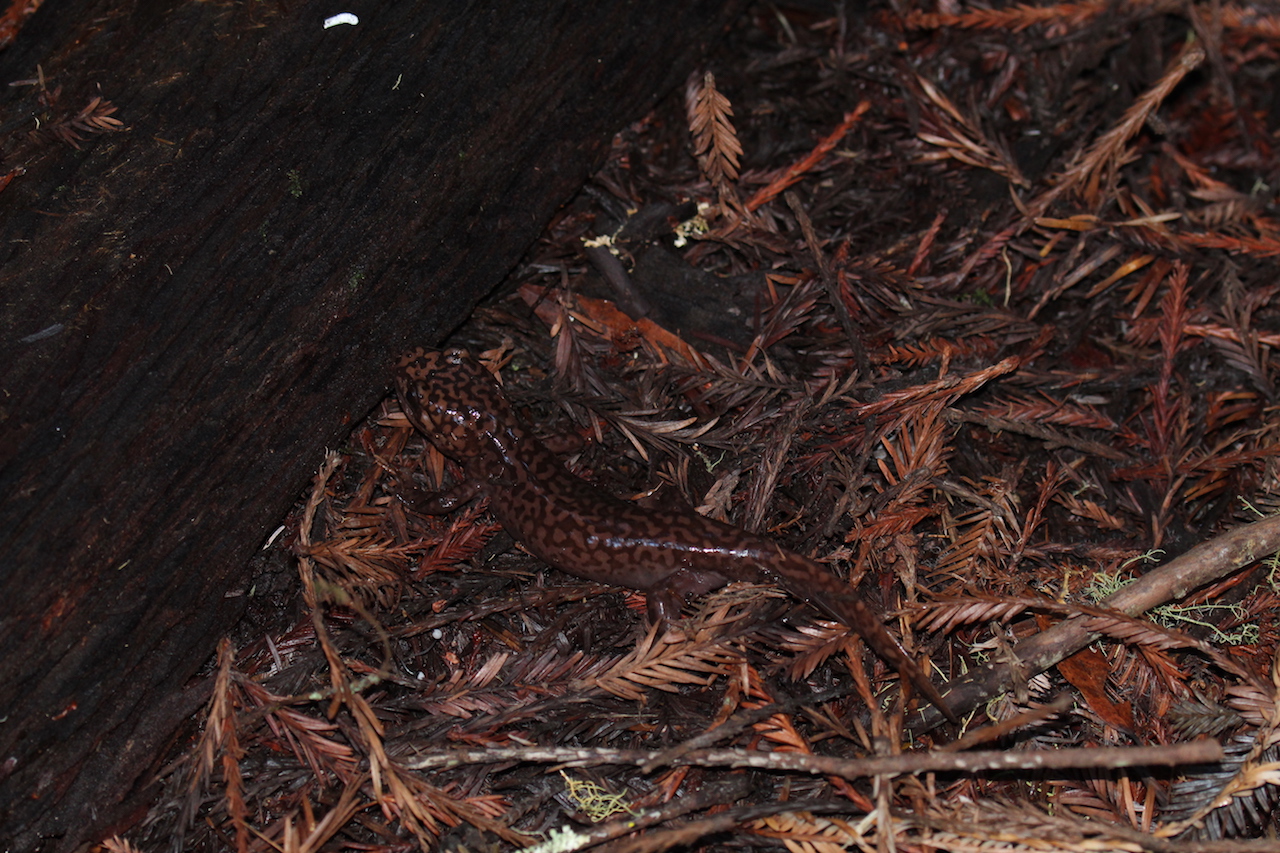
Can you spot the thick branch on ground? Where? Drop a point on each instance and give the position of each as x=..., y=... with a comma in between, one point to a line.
x=1201, y=565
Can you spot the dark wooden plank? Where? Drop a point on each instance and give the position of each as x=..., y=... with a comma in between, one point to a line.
x=192, y=309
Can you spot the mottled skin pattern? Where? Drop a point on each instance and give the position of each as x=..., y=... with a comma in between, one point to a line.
x=572, y=525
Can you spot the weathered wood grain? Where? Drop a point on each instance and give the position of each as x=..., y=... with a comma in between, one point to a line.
x=193, y=308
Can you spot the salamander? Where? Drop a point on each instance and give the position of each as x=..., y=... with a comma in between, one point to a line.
x=575, y=526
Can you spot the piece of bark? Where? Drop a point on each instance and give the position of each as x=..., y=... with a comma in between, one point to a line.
x=196, y=306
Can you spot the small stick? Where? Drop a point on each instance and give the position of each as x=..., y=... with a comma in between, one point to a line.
x=1195, y=752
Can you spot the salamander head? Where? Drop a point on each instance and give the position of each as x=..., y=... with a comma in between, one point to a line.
x=452, y=400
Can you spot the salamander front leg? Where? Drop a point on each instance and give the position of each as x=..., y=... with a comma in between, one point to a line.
x=424, y=502
x=664, y=605
x=667, y=597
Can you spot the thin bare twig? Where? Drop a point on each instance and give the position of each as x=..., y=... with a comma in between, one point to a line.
x=1172, y=755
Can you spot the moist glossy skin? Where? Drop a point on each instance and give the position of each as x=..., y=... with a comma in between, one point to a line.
x=570, y=524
